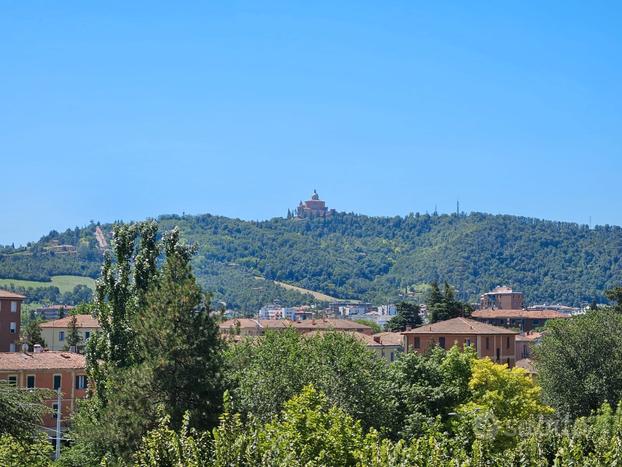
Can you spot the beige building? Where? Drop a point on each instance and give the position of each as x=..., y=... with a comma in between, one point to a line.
x=55, y=333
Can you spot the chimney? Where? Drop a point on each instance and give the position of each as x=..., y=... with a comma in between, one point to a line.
x=38, y=348
x=377, y=339
x=409, y=328
x=25, y=347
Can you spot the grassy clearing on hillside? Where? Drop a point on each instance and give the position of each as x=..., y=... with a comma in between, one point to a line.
x=317, y=295
x=64, y=283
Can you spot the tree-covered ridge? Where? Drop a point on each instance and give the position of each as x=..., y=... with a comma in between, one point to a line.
x=370, y=258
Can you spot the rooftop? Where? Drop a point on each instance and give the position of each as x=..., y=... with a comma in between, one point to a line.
x=501, y=290
x=7, y=294
x=305, y=325
x=82, y=321
x=509, y=314
x=460, y=326
x=47, y=360
x=364, y=338
x=390, y=338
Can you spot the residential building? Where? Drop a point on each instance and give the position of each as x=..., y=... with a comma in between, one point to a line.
x=489, y=341
x=55, y=332
x=313, y=208
x=257, y=327
x=337, y=308
x=48, y=370
x=502, y=298
x=523, y=320
x=50, y=312
x=392, y=342
x=10, y=318
x=387, y=350
x=525, y=344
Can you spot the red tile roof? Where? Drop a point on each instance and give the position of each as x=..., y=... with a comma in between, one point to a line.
x=531, y=337
x=7, y=294
x=460, y=326
x=12, y=361
x=518, y=314
x=390, y=338
x=364, y=338
x=304, y=325
x=83, y=321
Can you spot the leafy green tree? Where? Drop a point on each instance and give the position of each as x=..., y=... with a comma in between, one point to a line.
x=376, y=328
x=31, y=333
x=262, y=374
x=615, y=295
x=429, y=387
x=35, y=452
x=579, y=361
x=21, y=411
x=407, y=316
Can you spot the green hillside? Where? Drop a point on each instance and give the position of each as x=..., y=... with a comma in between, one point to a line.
x=64, y=283
x=368, y=258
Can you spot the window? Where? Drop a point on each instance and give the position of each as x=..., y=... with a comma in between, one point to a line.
x=12, y=379
x=417, y=342
x=487, y=343
x=12, y=347
x=507, y=342
x=468, y=343
x=13, y=307
x=30, y=381
x=13, y=327
x=392, y=356
x=55, y=409
x=57, y=379
x=81, y=382
x=87, y=334
x=441, y=342
x=61, y=335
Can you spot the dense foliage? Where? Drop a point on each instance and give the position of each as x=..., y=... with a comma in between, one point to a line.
x=370, y=258
x=579, y=362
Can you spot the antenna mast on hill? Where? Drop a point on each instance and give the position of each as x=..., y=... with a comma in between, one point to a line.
x=458, y=208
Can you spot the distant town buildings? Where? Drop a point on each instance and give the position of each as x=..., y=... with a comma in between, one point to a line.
x=502, y=298
x=313, y=208
x=10, y=318
x=257, y=327
x=523, y=320
x=53, y=311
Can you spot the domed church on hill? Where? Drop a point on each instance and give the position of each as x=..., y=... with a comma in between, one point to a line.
x=313, y=208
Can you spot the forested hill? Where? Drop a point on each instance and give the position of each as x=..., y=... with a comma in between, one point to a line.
x=370, y=258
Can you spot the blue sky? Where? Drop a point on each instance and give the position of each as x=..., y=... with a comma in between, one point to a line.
x=119, y=111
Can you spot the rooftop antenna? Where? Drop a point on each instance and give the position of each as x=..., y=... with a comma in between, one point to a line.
x=435, y=210
x=458, y=207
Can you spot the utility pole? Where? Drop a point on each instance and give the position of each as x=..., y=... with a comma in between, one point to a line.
x=58, y=415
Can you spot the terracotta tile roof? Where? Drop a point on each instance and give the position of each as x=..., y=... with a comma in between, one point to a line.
x=390, y=338
x=83, y=321
x=329, y=323
x=518, y=314
x=364, y=338
x=12, y=361
x=245, y=323
x=7, y=294
x=460, y=326
x=531, y=337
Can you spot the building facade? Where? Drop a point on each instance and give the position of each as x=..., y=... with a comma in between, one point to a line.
x=313, y=208
x=10, y=318
x=488, y=341
x=62, y=371
x=523, y=320
x=502, y=298
x=54, y=333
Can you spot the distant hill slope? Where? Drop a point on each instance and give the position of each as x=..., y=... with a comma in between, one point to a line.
x=369, y=258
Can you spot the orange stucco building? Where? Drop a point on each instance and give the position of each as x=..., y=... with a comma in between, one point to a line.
x=489, y=341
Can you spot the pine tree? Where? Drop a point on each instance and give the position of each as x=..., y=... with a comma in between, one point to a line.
x=73, y=336
x=180, y=343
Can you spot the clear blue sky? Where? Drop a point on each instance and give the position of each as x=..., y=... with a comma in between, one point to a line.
x=125, y=110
